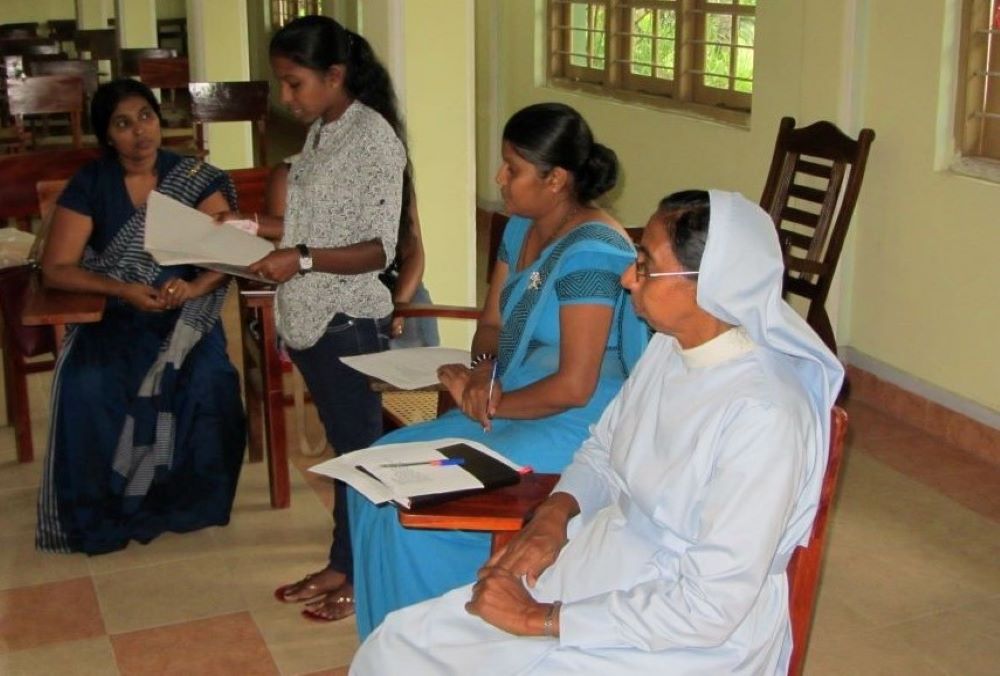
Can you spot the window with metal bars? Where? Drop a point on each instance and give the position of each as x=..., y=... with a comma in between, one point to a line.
x=283, y=11
x=978, y=111
x=696, y=52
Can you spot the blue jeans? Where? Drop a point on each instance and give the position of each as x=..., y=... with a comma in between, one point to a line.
x=351, y=413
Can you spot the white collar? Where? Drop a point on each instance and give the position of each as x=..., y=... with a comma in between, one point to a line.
x=729, y=345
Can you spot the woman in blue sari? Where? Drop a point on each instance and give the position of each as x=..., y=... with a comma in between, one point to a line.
x=147, y=429
x=560, y=331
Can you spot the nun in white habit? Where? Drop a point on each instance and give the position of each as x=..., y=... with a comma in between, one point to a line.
x=663, y=548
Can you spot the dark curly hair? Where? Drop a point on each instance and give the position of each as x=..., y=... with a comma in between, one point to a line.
x=318, y=42
x=553, y=135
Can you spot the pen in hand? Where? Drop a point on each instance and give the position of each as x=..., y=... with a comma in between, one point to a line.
x=433, y=463
x=489, y=393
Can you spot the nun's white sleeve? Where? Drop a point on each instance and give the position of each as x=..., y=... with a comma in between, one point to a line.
x=746, y=505
x=588, y=478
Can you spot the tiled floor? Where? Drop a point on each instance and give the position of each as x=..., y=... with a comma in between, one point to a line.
x=911, y=583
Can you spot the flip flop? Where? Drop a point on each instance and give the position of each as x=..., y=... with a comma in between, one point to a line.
x=281, y=593
x=343, y=601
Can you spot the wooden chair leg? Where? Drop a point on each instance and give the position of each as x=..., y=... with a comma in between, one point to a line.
x=274, y=414
x=19, y=412
x=252, y=389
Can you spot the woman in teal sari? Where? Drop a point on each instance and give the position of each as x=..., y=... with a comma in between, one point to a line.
x=562, y=335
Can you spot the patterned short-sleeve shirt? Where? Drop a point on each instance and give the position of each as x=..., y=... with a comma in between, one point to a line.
x=345, y=187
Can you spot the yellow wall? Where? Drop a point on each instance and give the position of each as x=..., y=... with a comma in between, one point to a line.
x=137, y=23
x=439, y=104
x=18, y=11
x=926, y=284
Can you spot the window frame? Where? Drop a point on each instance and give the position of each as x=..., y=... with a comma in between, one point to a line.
x=977, y=109
x=283, y=11
x=686, y=91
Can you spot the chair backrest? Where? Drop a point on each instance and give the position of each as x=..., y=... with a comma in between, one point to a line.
x=101, y=44
x=22, y=29
x=804, y=566
x=19, y=175
x=85, y=70
x=230, y=102
x=25, y=45
x=47, y=94
x=810, y=193
x=129, y=58
x=165, y=73
x=62, y=30
x=251, y=187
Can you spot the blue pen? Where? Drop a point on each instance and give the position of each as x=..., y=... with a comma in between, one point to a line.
x=444, y=462
x=489, y=393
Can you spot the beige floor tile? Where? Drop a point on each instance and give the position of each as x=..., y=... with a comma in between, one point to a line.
x=152, y=596
x=17, y=517
x=22, y=565
x=164, y=549
x=258, y=570
x=229, y=644
x=876, y=653
x=91, y=657
x=49, y=613
x=300, y=646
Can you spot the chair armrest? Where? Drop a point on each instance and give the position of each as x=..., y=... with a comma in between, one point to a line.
x=432, y=310
x=46, y=307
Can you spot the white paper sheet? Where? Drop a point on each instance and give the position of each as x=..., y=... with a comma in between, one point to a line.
x=178, y=234
x=409, y=368
x=364, y=471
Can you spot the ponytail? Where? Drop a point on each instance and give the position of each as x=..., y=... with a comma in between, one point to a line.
x=318, y=42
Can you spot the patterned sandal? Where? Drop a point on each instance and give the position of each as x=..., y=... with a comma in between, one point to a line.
x=293, y=593
x=336, y=605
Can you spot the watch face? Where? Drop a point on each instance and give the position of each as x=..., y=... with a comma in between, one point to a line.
x=306, y=263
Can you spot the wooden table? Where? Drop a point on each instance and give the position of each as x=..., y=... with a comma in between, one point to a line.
x=501, y=512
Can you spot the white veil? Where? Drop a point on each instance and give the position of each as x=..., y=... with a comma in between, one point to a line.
x=739, y=282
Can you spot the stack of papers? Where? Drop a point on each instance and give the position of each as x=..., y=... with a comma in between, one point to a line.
x=409, y=368
x=177, y=234
x=403, y=473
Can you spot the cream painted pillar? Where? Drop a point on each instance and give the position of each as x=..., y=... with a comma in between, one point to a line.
x=436, y=88
x=94, y=14
x=136, y=22
x=219, y=51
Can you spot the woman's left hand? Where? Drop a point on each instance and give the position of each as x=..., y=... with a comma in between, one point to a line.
x=397, y=327
x=175, y=292
x=502, y=600
x=278, y=266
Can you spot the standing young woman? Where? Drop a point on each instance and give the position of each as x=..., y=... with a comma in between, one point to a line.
x=345, y=200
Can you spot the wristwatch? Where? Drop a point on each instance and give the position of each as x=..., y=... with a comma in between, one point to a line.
x=305, y=259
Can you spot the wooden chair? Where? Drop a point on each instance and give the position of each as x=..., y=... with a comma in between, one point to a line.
x=27, y=45
x=230, y=102
x=25, y=340
x=810, y=193
x=262, y=372
x=85, y=70
x=173, y=29
x=98, y=44
x=129, y=58
x=19, y=174
x=26, y=29
x=46, y=95
x=62, y=30
x=504, y=511
x=171, y=75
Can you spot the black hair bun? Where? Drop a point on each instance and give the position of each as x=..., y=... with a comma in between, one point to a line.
x=599, y=173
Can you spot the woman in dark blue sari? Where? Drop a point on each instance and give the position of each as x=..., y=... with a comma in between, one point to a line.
x=147, y=430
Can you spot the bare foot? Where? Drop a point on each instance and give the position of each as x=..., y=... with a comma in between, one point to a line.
x=332, y=606
x=311, y=586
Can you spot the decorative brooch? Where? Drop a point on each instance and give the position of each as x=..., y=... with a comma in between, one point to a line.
x=535, y=281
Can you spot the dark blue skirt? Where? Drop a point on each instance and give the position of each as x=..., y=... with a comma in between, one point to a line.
x=95, y=385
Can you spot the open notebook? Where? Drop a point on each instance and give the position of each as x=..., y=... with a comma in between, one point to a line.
x=405, y=473
x=178, y=234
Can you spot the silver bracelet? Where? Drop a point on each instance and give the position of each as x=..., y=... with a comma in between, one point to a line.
x=548, y=625
x=482, y=357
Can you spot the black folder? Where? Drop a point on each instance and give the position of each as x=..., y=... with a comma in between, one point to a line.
x=489, y=471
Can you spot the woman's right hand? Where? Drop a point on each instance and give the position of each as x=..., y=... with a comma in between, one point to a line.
x=535, y=547
x=143, y=297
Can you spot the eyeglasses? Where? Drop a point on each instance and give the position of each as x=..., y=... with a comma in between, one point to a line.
x=641, y=271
